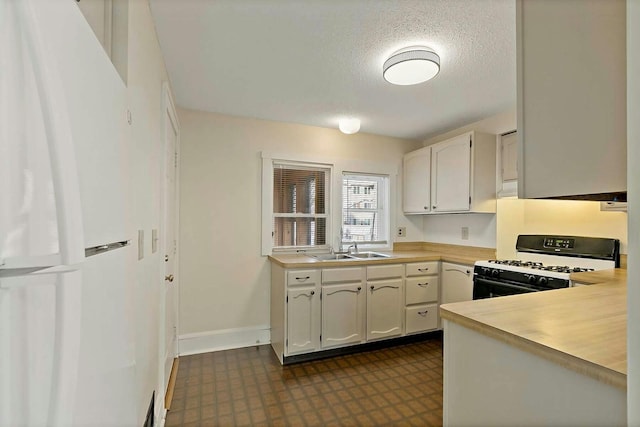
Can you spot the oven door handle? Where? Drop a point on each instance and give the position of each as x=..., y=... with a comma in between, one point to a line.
x=504, y=284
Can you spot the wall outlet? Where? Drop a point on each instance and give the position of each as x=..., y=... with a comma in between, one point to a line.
x=402, y=232
x=465, y=233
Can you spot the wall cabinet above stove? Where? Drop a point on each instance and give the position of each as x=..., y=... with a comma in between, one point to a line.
x=571, y=68
x=452, y=176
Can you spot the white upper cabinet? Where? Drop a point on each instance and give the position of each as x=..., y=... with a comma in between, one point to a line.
x=571, y=68
x=451, y=169
x=417, y=181
x=462, y=173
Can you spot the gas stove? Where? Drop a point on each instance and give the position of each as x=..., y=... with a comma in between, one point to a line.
x=539, y=266
x=545, y=262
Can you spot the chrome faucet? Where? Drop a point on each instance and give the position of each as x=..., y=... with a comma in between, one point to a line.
x=354, y=245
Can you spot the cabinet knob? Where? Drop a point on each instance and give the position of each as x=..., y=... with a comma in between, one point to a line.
x=426, y=208
x=313, y=292
x=359, y=288
x=372, y=287
x=433, y=207
x=169, y=278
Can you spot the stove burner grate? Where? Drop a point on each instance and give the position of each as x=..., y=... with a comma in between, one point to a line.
x=540, y=266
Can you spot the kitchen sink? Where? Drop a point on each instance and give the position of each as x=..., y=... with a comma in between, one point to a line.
x=368, y=255
x=354, y=256
x=330, y=257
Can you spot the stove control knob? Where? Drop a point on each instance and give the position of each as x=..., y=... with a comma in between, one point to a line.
x=486, y=271
x=532, y=279
x=543, y=281
x=495, y=273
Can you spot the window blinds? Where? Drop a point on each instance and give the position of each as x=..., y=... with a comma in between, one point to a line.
x=300, y=205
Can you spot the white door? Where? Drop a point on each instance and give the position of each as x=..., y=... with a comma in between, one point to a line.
x=170, y=350
x=451, y=175
x=303, y=320
x=384, y=309
x=342, y=314
x=457, y=283
x=417, y=181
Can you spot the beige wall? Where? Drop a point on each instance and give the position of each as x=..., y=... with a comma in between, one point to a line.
x=146, y=73
x=224, y=279
x=577, y=218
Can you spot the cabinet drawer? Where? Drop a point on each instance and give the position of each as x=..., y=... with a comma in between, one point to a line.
x=422, y=268
x=421, y=318
x=303, y=277
x=337, y=275
x=375, y=272
x=421, y=289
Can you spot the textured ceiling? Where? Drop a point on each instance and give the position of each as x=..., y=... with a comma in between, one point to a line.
x=314, y=61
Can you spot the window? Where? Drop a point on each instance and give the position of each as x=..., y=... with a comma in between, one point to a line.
x=365, y=209
x=300, y=206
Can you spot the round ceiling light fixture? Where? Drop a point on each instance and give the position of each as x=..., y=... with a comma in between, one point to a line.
x=411, y=65
x=349, y=125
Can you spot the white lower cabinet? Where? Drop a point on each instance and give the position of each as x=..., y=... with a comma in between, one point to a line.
x=320, y=309
x=384, y=308
x=343, y=307
x=420, y=318
x=457, y=283
x=303, y=326
x=385, y=295
x=421, y=297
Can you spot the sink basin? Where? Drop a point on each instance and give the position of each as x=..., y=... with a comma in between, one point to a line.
x=368, y=255
x=330, y=257
x=344, y=256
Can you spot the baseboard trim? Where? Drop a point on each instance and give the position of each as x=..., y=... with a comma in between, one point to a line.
x=224, y=339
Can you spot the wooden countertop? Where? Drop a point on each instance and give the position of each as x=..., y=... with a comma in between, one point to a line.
x=449, y=253
x=582, y=328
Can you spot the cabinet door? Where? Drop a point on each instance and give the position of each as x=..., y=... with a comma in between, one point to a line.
x=303, y=320
x=384, y=309
x=342, y=314
x=417, y=181
x=451, y=172
x=456, y=282
x=571, y=116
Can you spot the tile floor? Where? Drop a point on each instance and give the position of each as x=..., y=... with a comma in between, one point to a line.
x=394, y=386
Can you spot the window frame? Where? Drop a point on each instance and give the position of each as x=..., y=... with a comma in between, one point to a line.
x=384, y=206
x=336, y=166
x=268, y=215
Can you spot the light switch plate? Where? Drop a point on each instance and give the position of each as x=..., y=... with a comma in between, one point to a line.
x=140, y=244
x=465, y=233
x=154, y=240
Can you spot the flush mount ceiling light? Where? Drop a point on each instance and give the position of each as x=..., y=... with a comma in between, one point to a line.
x=411, y=65
x=349, y=125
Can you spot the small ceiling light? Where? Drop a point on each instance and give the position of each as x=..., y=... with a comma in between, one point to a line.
x=349, y=125
x=411, y=65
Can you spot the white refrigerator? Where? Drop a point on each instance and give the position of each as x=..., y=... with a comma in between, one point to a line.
x=66, y=352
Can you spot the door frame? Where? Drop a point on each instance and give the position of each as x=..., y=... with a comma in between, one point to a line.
x=168, y=110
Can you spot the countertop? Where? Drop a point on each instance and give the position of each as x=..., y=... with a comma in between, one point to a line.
x=583, y=328
x=449, y=253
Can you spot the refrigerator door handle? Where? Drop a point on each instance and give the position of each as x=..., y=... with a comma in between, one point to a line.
x=95, y=250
